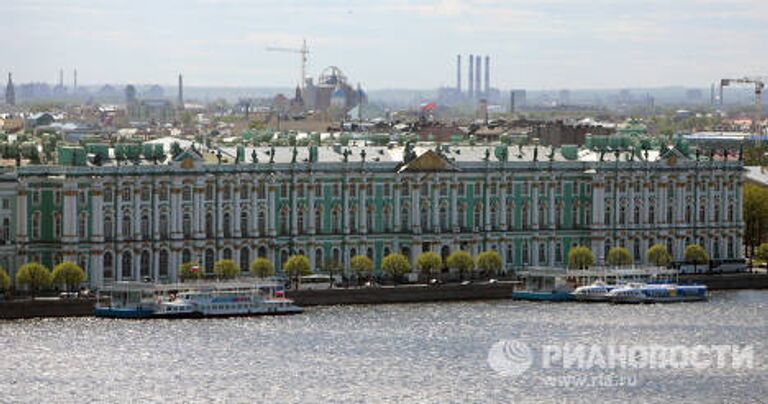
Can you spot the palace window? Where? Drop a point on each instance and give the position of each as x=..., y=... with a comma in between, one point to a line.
x=702, y=211
x=444, y=225
x=574, y=215
x=226, y=193
x=353, y=220
x=36, y=225
x=387, y=190
x=186, y=226
x=57, y=225
x=424, y=216
x=607, y=218
x=163, y=259
x=319, y=219
x=636, y=214
x=244, y=192
x=244, y=225
x=335, y=222
x=688, y=213
x=80, y=199
x=144, y=264
x=126, y=194
x=730, y=213
x=164, y=230
x=300, y=221
x=108, y=232
x=283, y=221
x=319, y=190
x=477, y=218
x=369, y=218
x=82, y=226
x=670, y=214
x=145, y=194
x=226, y=224
x=163, y=193
x=245, y=259
x=209, y=192
x=405, y=222
x=352, y=190
x=126, y=226
x=145, y=227
x=336, y=189
x=387, y=219
x=406, y=189
x=126, y=265
x=209, y=223
x=651, y=214
x=210, y=257
x=108, y=195
x=57, y=197
x=262, y=223
x=622, y=215
x=108, y=265
x=300, y=190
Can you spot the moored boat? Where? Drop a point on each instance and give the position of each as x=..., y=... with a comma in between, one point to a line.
x=658, y=293
x=595, y=292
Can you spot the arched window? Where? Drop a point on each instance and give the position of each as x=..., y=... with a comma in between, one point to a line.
x=607, y=217
x=477, y=217
x=226, y=254
x=186, y=256
x=300, y=221
x=651, y=214
x=187, y=193
x=36, y=225
x=283, y=221
x=163, y=259
x=525, y=257
x=126, y=265
x=369, y=217
x=164, y=228
x=209, y=225
x=574, y=215
x=716, y=214
x=145, y=227
x=702, y=211
x=730, y=216
x=186, y=225
x=82, y=226
x=636, y=214
x=542, y=254
x=319, y=257
x=145, y=264
x=210, y=257
x=369, y=253
x=262, y=223
x=127, y=226
x=462, y=213
x=245, y=259
x=335, y=222
x=319, y=219
x=444, y=224
x=226, y=224
x=405, y=219
x=558, y=215
x=510, y=215
x=424, y=217
x=353, y=219
x=622, y=215
x=524, y=217
x=386, y=219
x=494, y=216
x=262, y=252
x=542, y=215
x=107, y=228
x=57, y=225
x=244, y=226
x=687, y=213
x=636, y=250
x=108, y=266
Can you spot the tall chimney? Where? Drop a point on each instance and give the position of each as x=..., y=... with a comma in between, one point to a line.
x=478, y=67
x=61, y=77
x=487, y=75
x=458, y=73
x=471, y=81
x=180, y=101
x=74, y=81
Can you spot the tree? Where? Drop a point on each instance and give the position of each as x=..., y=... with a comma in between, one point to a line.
x=658, y=255
x=619, y=256
x=296, y=266
x=35, y=276
x=762, y=252
x=755, y=216
x=5, y=280
x=226, y=269
x=580, y=258
x=695, y=254
x=262, y=268
x=429, y=262
x=396, y=265
x=361, y=265
x=489, y=262
x=190, y=270
x=68, y=274
x=461, y=261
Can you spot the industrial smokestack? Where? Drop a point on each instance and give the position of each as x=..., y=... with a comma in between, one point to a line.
x=487, y=75
x=61, y=77
x=181, y=93
x=458, y=73
x=471, y=81
x=74, y=81
x=478, y=67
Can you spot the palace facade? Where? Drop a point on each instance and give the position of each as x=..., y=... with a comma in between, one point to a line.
x=141, y=219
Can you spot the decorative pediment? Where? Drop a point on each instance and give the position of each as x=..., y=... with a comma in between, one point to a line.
x=671, y=156
x=429, y=161
x=188, y=159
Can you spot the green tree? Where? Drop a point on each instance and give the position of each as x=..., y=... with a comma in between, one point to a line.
x=5, y=280
x=762, y=252
x=35, y=276
x=695, y=254
x=262, y=268
x=461, y=261
x=296, y=267
x=658, y=255
x=396, y=265
x=190, y=270
x=755, y=216
x=226, y=269
x=580, y=258
x=361, y=265
x=68, y=274
x=619, y=256
x=429, y=262
x=489, y=262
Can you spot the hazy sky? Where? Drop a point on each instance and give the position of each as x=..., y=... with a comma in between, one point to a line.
x=533, y=44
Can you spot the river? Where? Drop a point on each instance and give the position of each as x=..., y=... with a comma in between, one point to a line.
x=406, y=353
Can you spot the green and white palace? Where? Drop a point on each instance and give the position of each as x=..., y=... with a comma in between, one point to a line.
x=141, y=218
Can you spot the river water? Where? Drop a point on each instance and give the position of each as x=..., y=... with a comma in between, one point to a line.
x=407, y=353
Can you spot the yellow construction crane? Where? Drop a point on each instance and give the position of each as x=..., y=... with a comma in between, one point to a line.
x=759, y=85
x=303, y=51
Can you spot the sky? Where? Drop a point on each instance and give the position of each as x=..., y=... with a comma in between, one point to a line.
x=399, y=44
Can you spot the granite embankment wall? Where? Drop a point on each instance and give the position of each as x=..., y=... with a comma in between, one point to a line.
x=728, y=281
x=402, y=294
x=46, y=308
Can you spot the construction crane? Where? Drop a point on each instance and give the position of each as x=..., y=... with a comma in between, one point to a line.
x=303, y=51
x=759, y=85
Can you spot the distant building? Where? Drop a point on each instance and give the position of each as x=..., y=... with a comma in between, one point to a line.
x=39, y=119
x=10, y=92
x=331, y=84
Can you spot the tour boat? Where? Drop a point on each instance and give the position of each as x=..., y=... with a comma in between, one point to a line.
x=658, y=293
x=136, y=300
x=543, y=287
x=595, y=292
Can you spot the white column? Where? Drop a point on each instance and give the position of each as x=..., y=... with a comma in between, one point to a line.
x=21, y=214
x=311, y=211
x=396, y=193
x=235, y=221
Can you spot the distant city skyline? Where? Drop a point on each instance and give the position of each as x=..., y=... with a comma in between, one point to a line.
x=548, y=44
